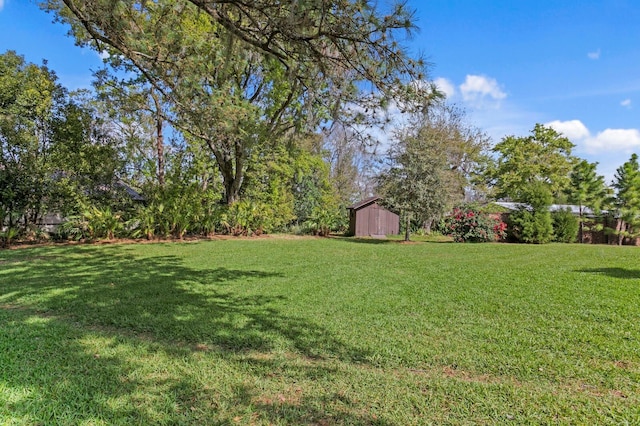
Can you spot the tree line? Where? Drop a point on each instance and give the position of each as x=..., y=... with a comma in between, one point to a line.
x=250, y=117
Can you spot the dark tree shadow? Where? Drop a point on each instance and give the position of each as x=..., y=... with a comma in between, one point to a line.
x=632, y=274
x=109, y=292
x=164, y=299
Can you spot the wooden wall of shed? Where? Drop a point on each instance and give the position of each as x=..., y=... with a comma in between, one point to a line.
x=374, y=220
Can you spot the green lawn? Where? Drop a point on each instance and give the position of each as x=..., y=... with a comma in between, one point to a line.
x=320, y=331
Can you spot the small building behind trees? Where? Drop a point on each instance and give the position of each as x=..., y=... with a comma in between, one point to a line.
x=368, y=218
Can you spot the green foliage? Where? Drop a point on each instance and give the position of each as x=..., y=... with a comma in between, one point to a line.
x=73, y=229
x=565, y=226
x=102, y=223
x=430, y=165
x=528, y=226
x=29, y=100
x=627, y=184
x=532, y=222
x=322, y=221
x=587, y=189
x=8, y=235
x=230, y=90
x=543, y=157
x=245, y=218
x=468, y=224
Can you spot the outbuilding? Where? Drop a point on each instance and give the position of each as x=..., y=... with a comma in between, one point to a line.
x=369, y=218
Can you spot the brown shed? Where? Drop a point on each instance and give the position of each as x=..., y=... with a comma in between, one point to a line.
x=369, y=218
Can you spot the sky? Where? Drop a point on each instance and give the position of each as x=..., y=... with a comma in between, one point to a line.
x=570, y=64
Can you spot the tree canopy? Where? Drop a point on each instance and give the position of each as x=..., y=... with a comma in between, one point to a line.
x=430, y=164
x=544, y=157
x=627, y=185
x=241, y=74
x=587, y=189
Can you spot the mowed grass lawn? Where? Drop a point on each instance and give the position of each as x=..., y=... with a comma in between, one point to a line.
x=319, y=331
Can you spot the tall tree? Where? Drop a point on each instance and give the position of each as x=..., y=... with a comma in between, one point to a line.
x=137, y=110
x=241, y=74
x=587, y=189
x=544, y=156
x=53, y=150
x=430, y=164
x=29, y=96
x=349, y=160
x=627, y=185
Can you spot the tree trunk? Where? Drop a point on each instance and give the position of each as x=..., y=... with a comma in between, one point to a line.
x=160, y=150
x=406, y=231
x=159, y=139
x=427, y=226
x=581, y=231
x=620, y=227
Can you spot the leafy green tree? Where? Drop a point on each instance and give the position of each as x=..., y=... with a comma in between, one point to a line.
x=29, y=97
x=532, y=222
x=56, y=155
x=431, y=164
x=236, y=84
x=137, y=111
x=349, y=161
x=587, y=189
x=544, y=157
x=627, y=185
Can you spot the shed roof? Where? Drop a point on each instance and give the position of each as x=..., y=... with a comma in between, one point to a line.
x=364, y=202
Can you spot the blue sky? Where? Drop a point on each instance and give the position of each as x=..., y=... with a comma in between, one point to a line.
x=510, y=63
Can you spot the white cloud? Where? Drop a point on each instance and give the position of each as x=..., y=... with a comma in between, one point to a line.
x=626, y=103
x=572, y=129
x=445, y=86
x=604, y=142
x=610, y=147
x=620, y=140
x=594, y=55
x=1, y=4
x=103, y=54
x=477, y=88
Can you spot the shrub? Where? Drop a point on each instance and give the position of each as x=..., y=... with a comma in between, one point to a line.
x=8, y=235
x=565, y=226
x=468, y=224
x=322, y=221
x=244, y=218
x=531, y=226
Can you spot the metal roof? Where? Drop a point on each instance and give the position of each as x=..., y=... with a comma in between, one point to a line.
x=364, y=202
x=586, y=211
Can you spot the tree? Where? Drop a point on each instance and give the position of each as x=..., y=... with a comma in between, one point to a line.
x=137, y=111
x=431, y=163
x=350, y=162
x=587, y=189
x=544, y=156
x=417, y=183
x=532, y=222
x=243, y=74
x=627, y=184
x=54, y=151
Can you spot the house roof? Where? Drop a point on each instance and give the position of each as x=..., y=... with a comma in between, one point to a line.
x=586, y=211
x=135, y=195
x=364, y=202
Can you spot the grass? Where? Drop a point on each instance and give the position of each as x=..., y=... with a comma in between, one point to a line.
x=319, y=331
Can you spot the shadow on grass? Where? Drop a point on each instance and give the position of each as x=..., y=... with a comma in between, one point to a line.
x=626, y=273
x=112, y=295
x=363, y=240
